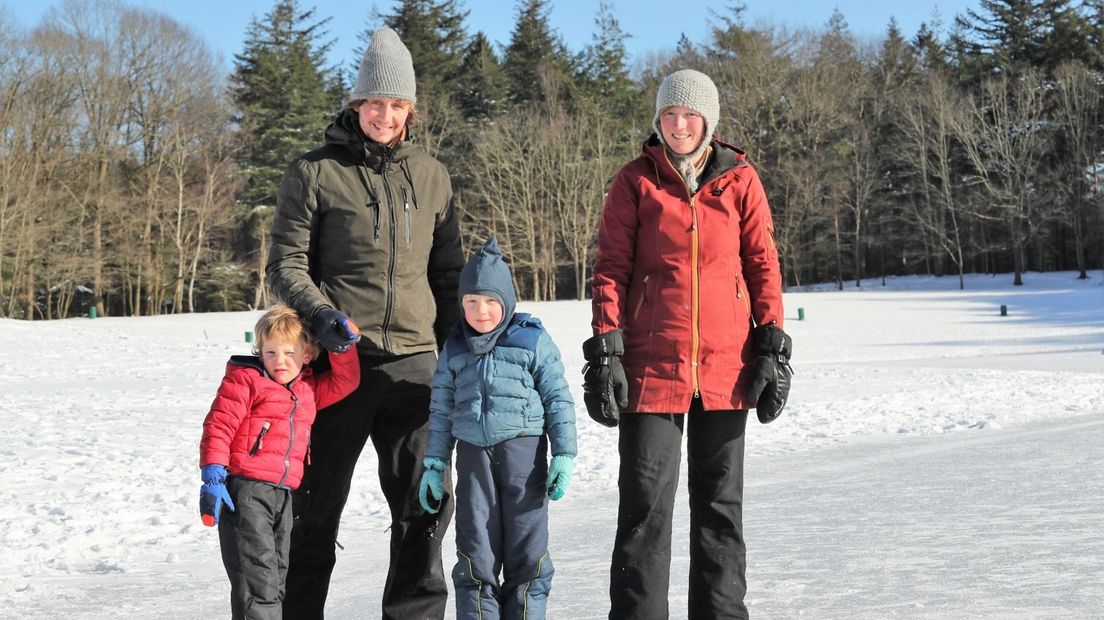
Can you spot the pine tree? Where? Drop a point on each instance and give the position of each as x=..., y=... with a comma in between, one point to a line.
x=284, y=94
x=603, y=72
x=1094, y=13
x=285, y=97
x=536, y=59
x=931, y=54
x=434, y=33
x=1068, y=36
x=481, y=80
x=1014, y=35
x=896, y=64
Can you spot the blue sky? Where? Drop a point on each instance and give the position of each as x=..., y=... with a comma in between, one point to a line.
x=653, y=24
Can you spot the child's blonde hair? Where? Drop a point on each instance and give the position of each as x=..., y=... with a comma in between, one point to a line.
x=282, y=322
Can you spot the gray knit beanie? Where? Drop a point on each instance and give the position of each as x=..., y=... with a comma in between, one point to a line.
x=690, y=89
x=386, y=71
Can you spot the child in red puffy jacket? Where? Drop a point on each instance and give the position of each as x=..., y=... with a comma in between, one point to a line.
x=255, y=442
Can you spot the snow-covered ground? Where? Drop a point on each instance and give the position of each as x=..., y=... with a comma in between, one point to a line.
x=937, y=460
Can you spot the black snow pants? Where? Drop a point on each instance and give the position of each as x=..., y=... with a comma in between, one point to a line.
x=650, y=448
x=254, y=543
x=502, y=528
x=391, y=407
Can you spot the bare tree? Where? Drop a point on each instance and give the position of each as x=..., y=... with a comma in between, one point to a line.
x=1004, y=140
x=1078, y=114
x=507, y=183
x=926, y=122
x=579, y=171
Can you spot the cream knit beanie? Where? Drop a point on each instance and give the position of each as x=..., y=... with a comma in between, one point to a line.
x=690, y=89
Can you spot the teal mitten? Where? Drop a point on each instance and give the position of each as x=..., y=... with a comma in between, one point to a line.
x=432, y=488
x=559, y=475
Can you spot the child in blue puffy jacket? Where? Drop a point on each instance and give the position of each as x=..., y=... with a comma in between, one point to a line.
x=499, y=395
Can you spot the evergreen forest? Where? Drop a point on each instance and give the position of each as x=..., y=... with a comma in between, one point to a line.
x=138, y=175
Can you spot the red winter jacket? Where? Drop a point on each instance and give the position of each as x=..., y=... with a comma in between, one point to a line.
x=686, y=278
x=248, y=401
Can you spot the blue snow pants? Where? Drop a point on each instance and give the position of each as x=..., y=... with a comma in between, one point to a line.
x=502, y=527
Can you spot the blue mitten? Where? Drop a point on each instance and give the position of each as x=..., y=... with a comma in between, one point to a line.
x=335, y=331
x=559, y=475
x=213, y=494
x=432, y=488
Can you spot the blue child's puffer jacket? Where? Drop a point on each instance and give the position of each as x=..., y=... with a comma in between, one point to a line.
x=516, y=389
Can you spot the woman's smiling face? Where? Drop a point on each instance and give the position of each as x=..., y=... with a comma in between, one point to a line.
x=683, y=129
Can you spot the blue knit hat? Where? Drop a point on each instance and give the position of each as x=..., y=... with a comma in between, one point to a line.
x=486, y=273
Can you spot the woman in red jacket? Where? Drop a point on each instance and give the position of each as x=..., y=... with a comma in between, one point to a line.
x=687, y=323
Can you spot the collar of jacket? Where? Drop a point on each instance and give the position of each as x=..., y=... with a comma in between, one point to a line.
x=345, y=133
x=254, y=362
x=461, y=331
x=725, y=157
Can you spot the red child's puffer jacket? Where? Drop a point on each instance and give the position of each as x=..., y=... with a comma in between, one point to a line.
x=259, y=428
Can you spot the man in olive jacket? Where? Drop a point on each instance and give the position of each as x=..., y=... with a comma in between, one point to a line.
x=365, y=231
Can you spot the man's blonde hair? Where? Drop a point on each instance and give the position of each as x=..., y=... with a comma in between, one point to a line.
x=282, y=322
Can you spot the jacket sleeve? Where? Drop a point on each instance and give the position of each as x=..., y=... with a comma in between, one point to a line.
x=446, y=259
x=229, y=409
x=441, y=404
x=342, y=379
x=613, y=263
x=555, y=395
x=294, y=230
x=759, y=253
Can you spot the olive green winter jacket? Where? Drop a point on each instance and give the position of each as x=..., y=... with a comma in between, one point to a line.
x=372, y=232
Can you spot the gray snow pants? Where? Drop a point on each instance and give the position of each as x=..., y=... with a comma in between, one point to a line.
x=650, y=446
x=254, y=540
x=502, y=526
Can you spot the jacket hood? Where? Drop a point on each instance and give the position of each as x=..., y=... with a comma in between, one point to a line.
x=345, y=133
x=486, y=273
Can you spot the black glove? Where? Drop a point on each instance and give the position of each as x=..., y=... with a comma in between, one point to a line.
x=770, y=384
x=605, y=388
x=335, y=332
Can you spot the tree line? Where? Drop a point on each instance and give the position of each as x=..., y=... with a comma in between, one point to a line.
x=139, y=177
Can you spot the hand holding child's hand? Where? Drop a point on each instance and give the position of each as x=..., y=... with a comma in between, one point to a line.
x=335, y=332
x=559, y=475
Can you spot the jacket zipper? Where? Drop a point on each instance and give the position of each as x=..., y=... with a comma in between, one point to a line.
x=291, y=437
x=695, y=294
x=406, y=215
x=388, y=309
x=643, y=297
x=484, y=362
x=260, y=438
x=695, y=283
x=374, y=202
x=740, y=294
